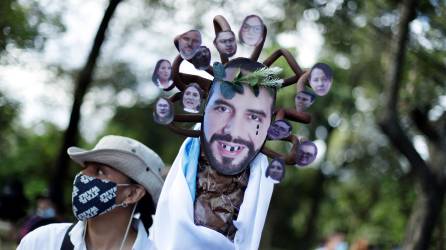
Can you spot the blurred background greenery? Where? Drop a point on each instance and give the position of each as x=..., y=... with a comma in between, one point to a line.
x=381, y=176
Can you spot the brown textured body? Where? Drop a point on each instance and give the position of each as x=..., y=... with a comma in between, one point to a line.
x=218, y=198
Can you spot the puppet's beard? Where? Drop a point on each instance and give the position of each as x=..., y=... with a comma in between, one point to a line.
x=228, y=156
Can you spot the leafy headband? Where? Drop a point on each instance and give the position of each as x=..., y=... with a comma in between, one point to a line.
x=264, y=77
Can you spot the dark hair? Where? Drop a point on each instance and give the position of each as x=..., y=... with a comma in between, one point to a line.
x=244, y=63
x=240, y=37
x=146, y=208
x=325, y=68
x=200, y=61
x=196, y=86
x=282, y=161
x=155, y=71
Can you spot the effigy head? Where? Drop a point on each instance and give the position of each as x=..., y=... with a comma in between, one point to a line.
x=238, y=114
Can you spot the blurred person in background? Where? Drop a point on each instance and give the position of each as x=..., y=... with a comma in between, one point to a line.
x=44, y=214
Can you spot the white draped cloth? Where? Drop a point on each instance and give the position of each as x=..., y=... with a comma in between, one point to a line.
x=174, y=227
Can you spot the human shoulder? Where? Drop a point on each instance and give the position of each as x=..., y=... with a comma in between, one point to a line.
x=46, y=237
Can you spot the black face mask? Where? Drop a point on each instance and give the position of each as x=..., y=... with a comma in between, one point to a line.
x=92, y=196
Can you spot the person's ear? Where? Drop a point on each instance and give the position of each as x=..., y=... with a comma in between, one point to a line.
x=136, y=193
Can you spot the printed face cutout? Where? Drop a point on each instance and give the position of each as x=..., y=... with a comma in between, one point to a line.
x=225, y=43
x=162, y=75
x=276, y=170
x=188, y=44
x=192, y=98
x=236, y=128
x=202, y=58
x=251, y=32
x=279, y=129
x=303, y=100
x=163, y=113
x=321, y=78
x=306, y=153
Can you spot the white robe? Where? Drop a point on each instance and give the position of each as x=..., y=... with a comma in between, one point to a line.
x=174, y=227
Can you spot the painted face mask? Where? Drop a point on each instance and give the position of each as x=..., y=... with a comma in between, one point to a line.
x=92, y=196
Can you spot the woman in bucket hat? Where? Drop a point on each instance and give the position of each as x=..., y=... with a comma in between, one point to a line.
x=114, y=197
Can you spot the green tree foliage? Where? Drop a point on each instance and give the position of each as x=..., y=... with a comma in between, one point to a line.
x=8, y=114
x=29, y=154
x=21, y=24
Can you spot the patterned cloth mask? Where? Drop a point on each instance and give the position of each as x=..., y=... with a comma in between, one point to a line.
x=92, y=196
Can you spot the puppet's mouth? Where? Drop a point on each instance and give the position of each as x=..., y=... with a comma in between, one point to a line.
x=189, y=102
x=320, y=88
x=229, y=49
x=229, y=149
x=188, y=50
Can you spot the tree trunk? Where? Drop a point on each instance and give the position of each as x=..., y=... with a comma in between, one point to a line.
x=71, y=134
x=425, y=216
x=427, y=208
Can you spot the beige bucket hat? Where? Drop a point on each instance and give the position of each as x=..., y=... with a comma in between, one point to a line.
x=127, y=155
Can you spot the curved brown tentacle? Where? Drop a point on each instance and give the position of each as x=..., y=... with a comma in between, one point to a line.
x=292, y=114
x=220, y=24
x=183, y=131
x=291, y=157
x=280, y=114
x=303, y=79
x=291, y=62
x=188, y=118
x=204, y=83
x=175, y=97
x=177, y=81
x=271, y=153
x=290, y=80
x=258, y=49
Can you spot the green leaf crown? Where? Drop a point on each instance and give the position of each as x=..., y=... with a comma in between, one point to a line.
x=266, y=77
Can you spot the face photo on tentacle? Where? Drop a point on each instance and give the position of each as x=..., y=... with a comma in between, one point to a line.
x=188, y=44
x=279, y=129
x=236, y=120
x=191, y=98
x=225, y=43
x=303, y=100
x=251, y=31
x=306, y=153
x=202, y=58
x=276, y=170
x=321, y=78
x=162, y=74
x=163, y=113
